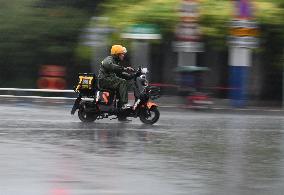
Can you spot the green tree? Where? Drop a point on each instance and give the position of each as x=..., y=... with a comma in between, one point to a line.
x=34, y=32
x=214, y=15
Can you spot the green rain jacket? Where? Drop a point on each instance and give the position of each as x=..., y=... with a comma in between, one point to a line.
x=110, y=67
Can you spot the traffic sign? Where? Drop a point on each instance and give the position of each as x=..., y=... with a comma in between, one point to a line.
x=243, y=33
x=142, y=31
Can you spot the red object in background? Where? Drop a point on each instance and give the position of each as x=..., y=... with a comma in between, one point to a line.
x=199, y=97
x=59, y=191
x=52, y=77
x=199, y=100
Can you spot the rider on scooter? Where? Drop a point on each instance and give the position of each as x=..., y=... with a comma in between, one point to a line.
x=111, y=73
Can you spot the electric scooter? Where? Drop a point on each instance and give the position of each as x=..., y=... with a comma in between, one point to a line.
x=94, y=103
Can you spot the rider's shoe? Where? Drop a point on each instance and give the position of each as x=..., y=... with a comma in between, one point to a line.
x=125, y=106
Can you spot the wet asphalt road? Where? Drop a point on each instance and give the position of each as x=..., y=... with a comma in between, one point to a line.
x=46, y=151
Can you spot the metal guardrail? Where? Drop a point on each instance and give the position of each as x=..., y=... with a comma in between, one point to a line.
x=36, y=90
x=45, y=91
x=36, y=97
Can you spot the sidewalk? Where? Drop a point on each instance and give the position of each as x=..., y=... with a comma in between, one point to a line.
x=222, y=105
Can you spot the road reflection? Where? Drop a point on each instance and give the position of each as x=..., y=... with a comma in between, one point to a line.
x=192, y=153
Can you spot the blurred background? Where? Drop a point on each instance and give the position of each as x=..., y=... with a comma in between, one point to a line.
x=235, y=47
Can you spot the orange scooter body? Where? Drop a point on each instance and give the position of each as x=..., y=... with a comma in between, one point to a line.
x=151, y=104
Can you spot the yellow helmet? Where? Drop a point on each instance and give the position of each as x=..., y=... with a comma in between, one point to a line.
x=117, y=49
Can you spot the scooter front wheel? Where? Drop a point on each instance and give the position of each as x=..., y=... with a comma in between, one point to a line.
x=149, y=116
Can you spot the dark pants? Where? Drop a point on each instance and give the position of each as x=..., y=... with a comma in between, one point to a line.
x=117, y=84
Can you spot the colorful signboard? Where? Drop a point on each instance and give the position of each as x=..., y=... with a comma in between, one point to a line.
x=243, y=29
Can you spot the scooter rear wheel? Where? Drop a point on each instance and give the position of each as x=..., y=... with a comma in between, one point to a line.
x=149, y=116
x=85, y=116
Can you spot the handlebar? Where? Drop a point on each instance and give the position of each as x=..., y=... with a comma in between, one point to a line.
x=139, y=70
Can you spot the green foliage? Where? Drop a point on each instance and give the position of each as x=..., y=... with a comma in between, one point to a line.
x=57, y=31
x=32, y=35
x=83, y=52
x=214, y=15
x=126, y=13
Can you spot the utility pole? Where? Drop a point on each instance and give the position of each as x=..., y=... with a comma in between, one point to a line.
x=188, y=36
x=243, y=32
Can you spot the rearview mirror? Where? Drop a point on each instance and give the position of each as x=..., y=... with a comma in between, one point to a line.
x=144, y=70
